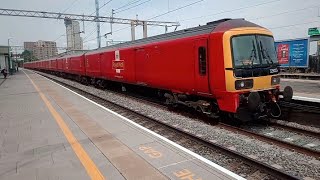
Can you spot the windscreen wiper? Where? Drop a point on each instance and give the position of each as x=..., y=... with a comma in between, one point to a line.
x=265, y=54
x=253, y=55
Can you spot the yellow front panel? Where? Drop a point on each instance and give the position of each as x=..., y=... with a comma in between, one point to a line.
x=260, y=83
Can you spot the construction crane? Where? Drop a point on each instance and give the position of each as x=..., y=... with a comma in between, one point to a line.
x=77, y=17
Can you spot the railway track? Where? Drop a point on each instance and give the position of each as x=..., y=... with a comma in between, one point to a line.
x=301, y=106
x=287, y=143
x=239, y=163
x=301, y=112
x=282, y=142
x=296, y=129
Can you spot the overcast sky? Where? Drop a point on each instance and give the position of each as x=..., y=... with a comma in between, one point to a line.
x=287, y=19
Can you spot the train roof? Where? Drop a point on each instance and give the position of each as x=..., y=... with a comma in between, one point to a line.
x=219, y=25
x=216, y=26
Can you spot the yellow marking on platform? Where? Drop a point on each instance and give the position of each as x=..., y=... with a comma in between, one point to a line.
x=186, y=174
x=86, y=161
x=151, y=152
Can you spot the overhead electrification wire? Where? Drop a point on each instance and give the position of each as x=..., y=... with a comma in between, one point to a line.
x=128, y=4
x=278, y=27
x=92, y=22
x=182, y=7
x=59, y=37
x=179, y=8
x=89, y=34
x=117, y=12
x=173, y=10
x=206, y=15
x=101, y=7
x=285, y=26
x=287, y=12
x=227, y=11
x=71, y=5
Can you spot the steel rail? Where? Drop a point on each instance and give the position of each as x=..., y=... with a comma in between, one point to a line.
x=214, y=146
x=301, y=106
x=278, y=142
x=297, y=130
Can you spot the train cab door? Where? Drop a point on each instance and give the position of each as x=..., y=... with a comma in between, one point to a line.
x=140, y=66
x=201, y=67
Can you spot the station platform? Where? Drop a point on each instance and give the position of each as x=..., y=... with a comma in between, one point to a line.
x=311, y=76
x=50, y=132
x=305, y=90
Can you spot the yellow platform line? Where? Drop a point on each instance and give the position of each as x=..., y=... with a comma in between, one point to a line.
x=86, y=161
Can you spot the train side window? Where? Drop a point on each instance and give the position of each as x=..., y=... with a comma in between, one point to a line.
x=202, y=56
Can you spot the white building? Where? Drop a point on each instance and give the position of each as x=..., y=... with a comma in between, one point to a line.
x=44, y=49
x=74, y=41
x=4, y=57
x=41, y=49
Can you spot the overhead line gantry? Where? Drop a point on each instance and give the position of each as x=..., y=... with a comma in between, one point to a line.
x=79, y=17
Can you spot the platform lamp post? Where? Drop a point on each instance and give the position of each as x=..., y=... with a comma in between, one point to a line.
x=9, y=61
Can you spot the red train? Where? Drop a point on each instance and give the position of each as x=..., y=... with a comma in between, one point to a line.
x=227, y=66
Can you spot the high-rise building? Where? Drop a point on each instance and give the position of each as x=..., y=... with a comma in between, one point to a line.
x=41, y=49
x=74, y=41
x=45, y=49
x=29, y=46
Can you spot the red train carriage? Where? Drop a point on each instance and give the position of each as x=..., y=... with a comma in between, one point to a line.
x=53, y=64
x=226, y=65
x=77, y=65
x=92, y=63
x=60, y=64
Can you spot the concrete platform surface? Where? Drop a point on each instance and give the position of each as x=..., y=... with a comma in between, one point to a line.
x=49, y=132
x=307, y=90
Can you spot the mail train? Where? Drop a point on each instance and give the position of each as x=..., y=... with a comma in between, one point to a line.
x=226, y=67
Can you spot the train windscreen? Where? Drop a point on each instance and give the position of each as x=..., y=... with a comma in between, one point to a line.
x=250, y=51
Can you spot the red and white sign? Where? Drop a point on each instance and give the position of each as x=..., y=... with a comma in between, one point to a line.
x=117, y=64
x=283, y=53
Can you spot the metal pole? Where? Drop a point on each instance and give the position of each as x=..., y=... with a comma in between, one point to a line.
x=112, y=13
x=133, y=32
x=145, y=30
x=84, y=30
x=74, y=36
x=9, y=62
x=17, y=64
x=98, y=24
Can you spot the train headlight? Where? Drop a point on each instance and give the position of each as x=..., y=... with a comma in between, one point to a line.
x=275, y=80
x=244, y=84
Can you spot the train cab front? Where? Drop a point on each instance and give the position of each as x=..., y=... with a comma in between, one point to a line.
x=252, y=74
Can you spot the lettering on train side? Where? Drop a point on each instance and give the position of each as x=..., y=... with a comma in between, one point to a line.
x=186, y=174
x=151, y=152
x=117, y=63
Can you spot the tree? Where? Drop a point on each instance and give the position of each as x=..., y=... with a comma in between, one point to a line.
x=27, y=56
